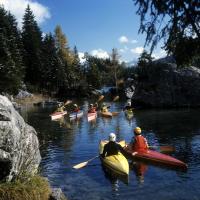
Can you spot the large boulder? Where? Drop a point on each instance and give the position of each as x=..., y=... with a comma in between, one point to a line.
x=19, y=146
x=165, y=85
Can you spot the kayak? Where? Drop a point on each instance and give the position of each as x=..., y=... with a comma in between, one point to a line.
x=117, y=163
x=76, y=115
x=57, y=115
x=106, y=114
x=115, y=113
x=156, y=158
x=91, y=116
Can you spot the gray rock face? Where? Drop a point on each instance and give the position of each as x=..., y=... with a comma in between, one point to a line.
x=163, y=85
x=19, y=146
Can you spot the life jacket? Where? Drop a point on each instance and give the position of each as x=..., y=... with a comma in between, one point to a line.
x=60, y=109
x=104, y=109
x=140, y=144
x=76, y=109
x=92, y=110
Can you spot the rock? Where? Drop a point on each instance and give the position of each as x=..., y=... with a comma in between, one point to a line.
x=19, y=146
x=23, y=94
x=57, y=194
x=164, y=85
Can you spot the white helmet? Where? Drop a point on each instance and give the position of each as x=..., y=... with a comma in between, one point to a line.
x=91, y=105
x=129, y=103
x=112, y=137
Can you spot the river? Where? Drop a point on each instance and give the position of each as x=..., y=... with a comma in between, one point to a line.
x=64, y=144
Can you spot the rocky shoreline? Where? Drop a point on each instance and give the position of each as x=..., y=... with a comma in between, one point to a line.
x=163, y=85
x=19, y=148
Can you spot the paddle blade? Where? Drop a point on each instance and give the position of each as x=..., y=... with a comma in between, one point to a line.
x=167, y=149
x=68, y=102
x=116, y=98
x=163, y=149
x=80, y=165
x=100, y=98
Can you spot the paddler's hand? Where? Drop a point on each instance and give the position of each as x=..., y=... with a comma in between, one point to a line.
x=134, y=153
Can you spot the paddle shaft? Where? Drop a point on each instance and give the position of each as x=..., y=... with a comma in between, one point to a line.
x=163, y=148
x=83, y=164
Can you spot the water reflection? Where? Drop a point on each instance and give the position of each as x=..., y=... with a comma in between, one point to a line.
x=64, y=143
x=139, y=169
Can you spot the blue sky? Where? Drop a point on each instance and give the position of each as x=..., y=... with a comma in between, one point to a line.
x=94, y=26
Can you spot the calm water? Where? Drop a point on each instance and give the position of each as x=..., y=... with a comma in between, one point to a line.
x=64, y=144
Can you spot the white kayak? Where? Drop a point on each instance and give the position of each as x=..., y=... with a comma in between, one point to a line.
x=57, y=115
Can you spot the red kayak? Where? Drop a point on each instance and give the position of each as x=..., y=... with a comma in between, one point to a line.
x=92, y=116
x=157, y=158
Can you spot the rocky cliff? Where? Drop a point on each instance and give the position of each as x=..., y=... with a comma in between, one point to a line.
x=19, y=146
x=164, y=85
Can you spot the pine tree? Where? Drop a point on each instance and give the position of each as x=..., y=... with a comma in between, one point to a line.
x=11, y=65
x=52, y=68
x=32, y=41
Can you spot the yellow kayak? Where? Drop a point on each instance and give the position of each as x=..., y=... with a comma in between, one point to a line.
x=118, y=163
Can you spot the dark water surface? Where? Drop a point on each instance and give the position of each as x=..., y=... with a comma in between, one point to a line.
x=65, y=143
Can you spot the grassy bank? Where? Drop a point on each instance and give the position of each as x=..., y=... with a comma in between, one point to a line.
x=36, y=188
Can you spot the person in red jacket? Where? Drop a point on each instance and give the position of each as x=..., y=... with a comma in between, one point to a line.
x=139, y=143
x=92, y=109
x=76, y=108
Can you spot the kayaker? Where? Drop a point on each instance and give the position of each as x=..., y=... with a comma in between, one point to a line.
x=128, y=106
x=112, y=147
x=60, y=108
x=92, y=109
x=139, y=143
x=104, y=108
x=76, y=108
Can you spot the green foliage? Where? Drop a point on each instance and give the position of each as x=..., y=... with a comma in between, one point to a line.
x=32, y=41
x=11, y=64
x=144, y=59
x=177, y=22
x=143, y=65
x=34, y=188
x=48, y=64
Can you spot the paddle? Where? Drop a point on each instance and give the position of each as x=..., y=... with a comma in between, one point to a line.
x=164, y=149
x=116, y=98
x=83, y=164
x=100, y=98
x=67, y=102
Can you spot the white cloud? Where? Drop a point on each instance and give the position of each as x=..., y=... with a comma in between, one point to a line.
x=123, y=50
x=99, y=53
x=162, y=53
x=137, y=50
x=17, y=8
x=123, y=39
x=134, y=41
x=81, y=57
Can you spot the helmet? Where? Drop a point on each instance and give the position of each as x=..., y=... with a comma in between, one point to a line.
x=75, y=105
x=112, y=137
x=137, y=130
x=104, y=104
x=129, y=103
x=91, y=105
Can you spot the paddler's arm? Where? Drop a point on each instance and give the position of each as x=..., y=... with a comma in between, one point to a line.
x=104, y=151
